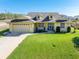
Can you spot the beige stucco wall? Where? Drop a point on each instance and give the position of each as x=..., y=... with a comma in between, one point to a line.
x=28, y=27
x=67, y=24
x=62, y=29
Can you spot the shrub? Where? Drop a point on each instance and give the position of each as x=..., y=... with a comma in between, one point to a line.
x=3, y=31
x=76, y=40
x=40, y=31
x=76, y=43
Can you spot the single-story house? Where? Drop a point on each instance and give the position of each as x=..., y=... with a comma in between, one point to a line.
x=39, y=24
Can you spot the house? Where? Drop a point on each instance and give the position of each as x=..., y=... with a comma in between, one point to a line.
x=40, y=22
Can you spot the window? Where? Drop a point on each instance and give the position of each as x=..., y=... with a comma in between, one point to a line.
x=38, y=16
x=62, y=25
x=50, y=24
x=41, y=24
x=50, y=16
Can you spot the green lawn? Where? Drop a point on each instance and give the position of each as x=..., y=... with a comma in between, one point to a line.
x=47, y=46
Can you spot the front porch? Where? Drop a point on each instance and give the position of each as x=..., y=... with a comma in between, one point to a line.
x=44, y=27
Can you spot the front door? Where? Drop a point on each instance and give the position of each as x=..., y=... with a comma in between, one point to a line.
x=50, y=26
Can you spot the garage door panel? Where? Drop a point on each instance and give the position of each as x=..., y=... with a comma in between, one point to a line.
x=23, y=28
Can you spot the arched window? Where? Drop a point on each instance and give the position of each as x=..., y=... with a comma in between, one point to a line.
x=38, y=16
x=57, y=29
x=68, y=29
x=50, y=16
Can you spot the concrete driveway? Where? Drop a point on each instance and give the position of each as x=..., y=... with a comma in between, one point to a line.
x=9, y=43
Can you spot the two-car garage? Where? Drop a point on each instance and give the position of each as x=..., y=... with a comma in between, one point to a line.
x=22, y=27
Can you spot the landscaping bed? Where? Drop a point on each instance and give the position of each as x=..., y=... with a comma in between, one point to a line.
x=3, y=31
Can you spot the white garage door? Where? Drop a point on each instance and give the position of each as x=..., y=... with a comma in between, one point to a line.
x=23, y=28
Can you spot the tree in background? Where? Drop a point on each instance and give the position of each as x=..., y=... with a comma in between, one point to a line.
x=4, y=16
x=75, y=24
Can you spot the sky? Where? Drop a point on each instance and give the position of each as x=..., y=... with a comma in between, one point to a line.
x=67, y=7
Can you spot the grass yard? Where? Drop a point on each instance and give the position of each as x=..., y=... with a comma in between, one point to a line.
x=47, y=46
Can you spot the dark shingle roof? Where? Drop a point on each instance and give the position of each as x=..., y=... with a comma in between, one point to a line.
x=35, y=19
x=46, y=19
x=61, y=20
x=22, y=20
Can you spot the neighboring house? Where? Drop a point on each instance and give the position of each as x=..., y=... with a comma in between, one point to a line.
x=40, y=22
